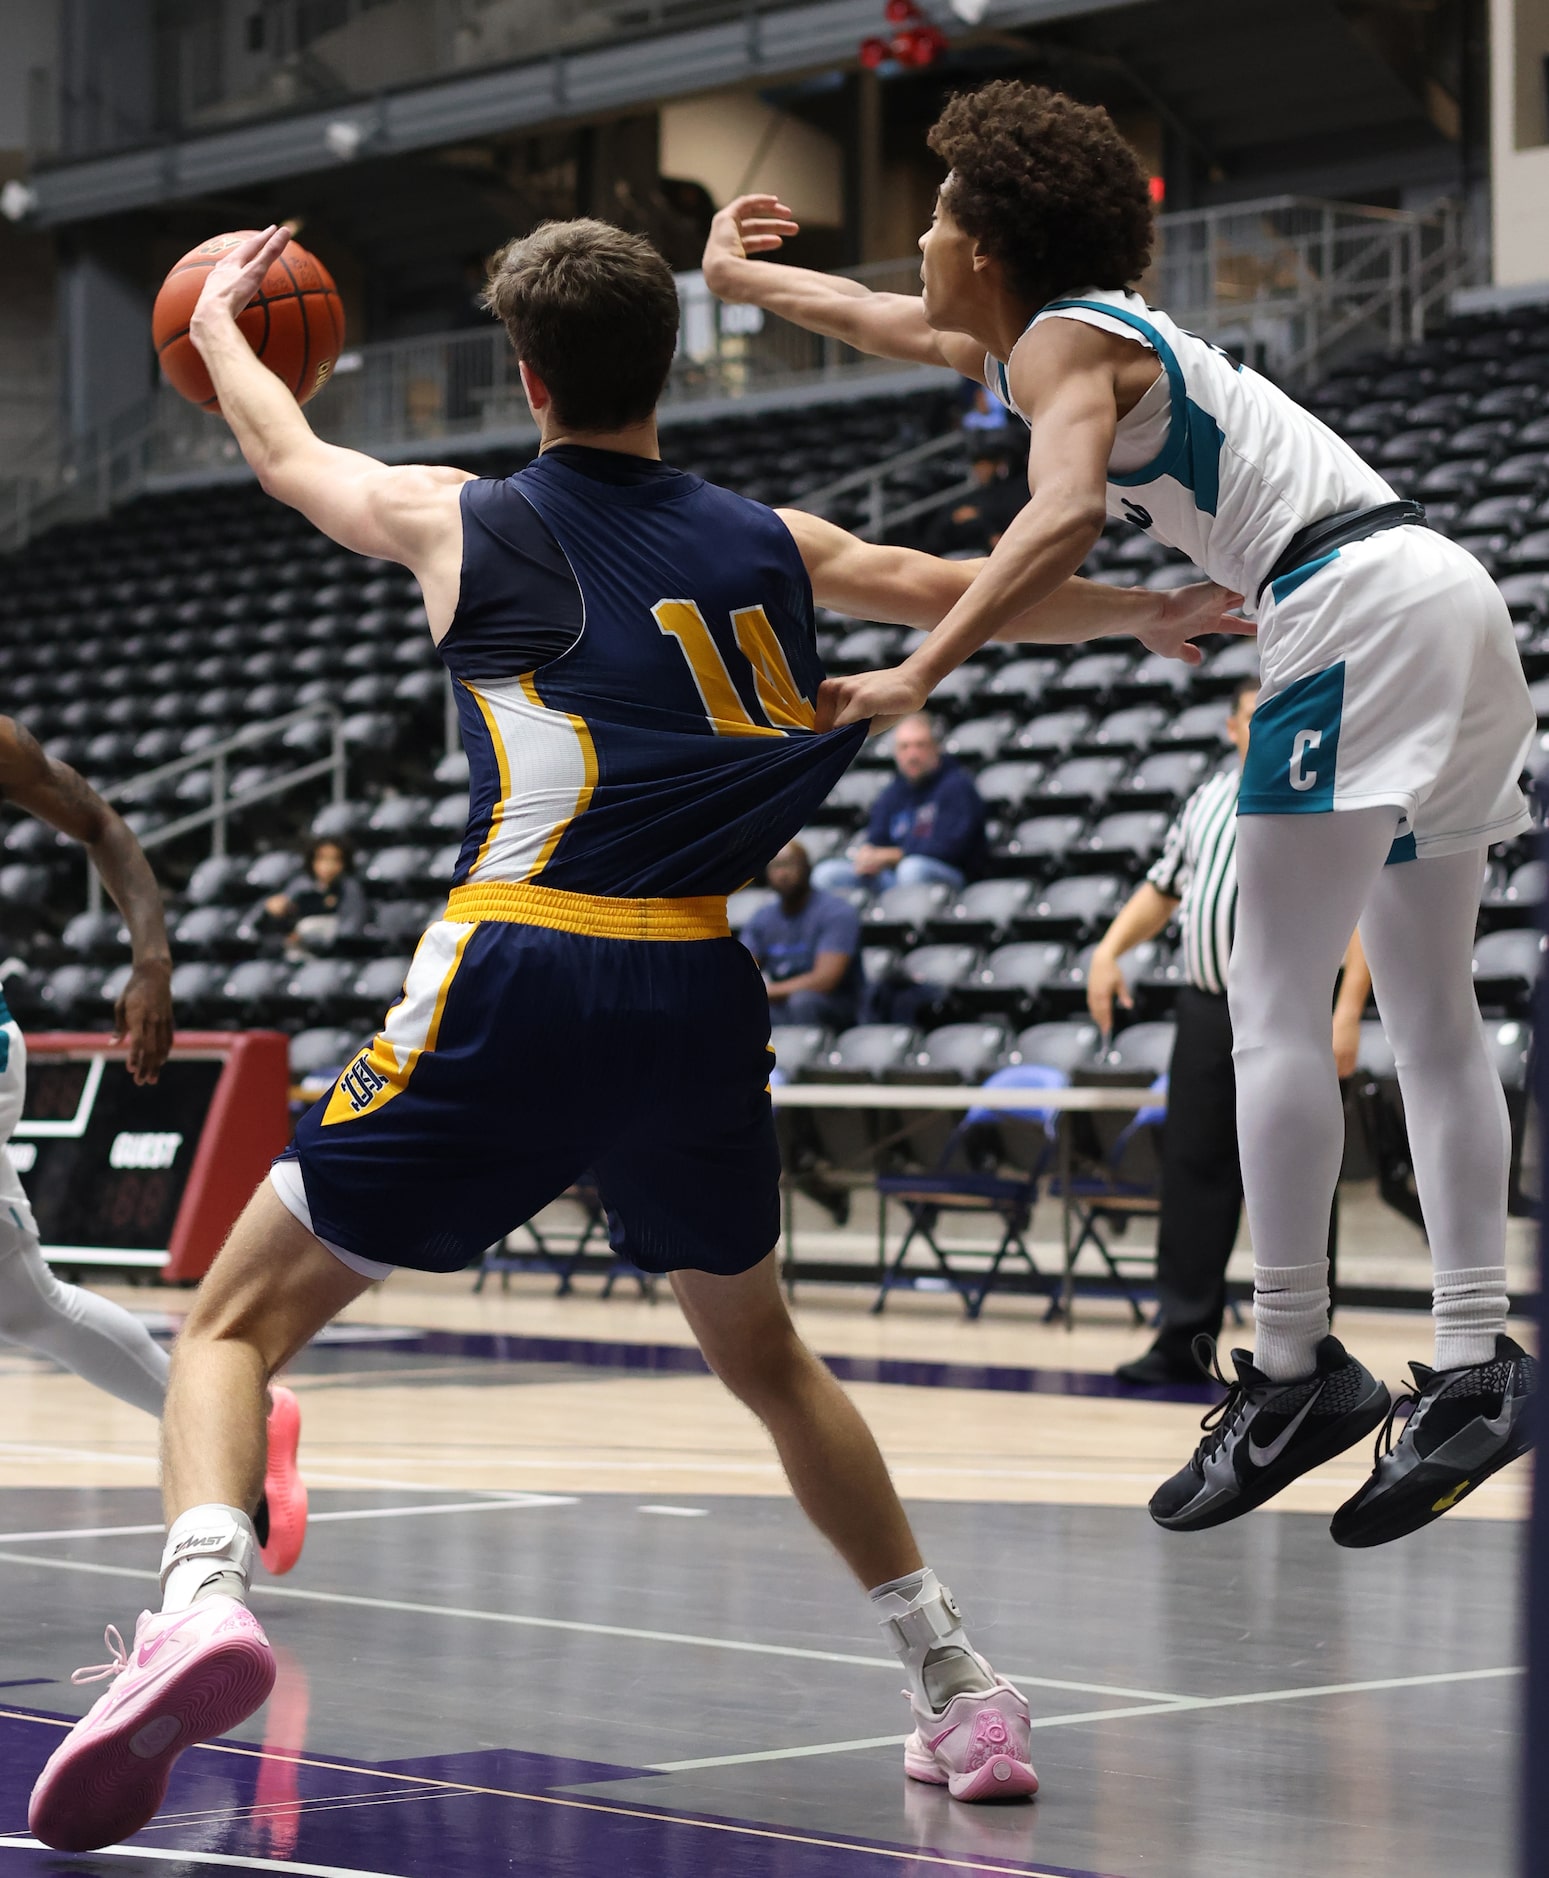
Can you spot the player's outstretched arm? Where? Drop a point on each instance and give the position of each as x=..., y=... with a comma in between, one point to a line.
x=404, y=513
x=907, y=588
x=55, y=794
x=1064, y=378
x=888, y=325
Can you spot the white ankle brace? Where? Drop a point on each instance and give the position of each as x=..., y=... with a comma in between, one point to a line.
x=926, y=1631
x=208, y=1549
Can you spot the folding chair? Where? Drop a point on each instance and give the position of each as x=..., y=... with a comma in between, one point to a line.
x=564, y=1260
x=961, y=1182
x=1106, y=1179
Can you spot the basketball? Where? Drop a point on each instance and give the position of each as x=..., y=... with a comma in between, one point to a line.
x=295, y=324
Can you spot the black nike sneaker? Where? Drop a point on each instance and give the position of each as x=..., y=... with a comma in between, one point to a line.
x=1264, y=1434
x=1464, y=1425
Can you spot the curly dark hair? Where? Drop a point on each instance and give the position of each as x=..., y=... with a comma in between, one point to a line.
x=1047, y=186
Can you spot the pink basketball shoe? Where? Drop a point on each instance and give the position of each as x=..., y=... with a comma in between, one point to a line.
x=191, y=1675
x=979, y=1747
x=284, y=1489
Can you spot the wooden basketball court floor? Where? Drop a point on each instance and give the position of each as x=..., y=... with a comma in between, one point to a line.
x=556, y=1615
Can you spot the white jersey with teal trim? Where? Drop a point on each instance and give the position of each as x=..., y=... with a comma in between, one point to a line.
x=1214, y=460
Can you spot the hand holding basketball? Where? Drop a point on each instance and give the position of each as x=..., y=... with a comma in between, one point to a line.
x=233, y=283
x=282, y=299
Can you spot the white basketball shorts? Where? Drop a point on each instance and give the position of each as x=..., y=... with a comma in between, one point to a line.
x=1390, y=675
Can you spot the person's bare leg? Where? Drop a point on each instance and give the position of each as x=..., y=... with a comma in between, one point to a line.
x=271, y=1289
x=829, y=1454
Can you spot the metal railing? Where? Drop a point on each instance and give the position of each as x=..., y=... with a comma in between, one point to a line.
x=874, y=478
x=223, y=804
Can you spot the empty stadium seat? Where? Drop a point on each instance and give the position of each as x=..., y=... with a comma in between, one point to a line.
x=1063, y=1046
x=1506, y=967
x=982, y=911
x=1013, y=976
x=956, y=1053
x=864, y=1052
x=900, y=914
x=742, y=905
x=1052, y=733
x=1146, y=1047
x=1040, y=845
x=796, y=1047
x=1076, y=906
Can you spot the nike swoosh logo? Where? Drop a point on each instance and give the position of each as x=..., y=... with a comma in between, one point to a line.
x=150, y=1651
x=933, y=1742
x=1266, y=1457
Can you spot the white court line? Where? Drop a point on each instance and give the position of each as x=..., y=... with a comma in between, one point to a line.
x=1172, y=1705
x=227, y=1859
x=677, y=1512
x=315, y=1519
x=736, y=1644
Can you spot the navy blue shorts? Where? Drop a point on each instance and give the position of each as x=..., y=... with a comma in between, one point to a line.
x=519, y=1057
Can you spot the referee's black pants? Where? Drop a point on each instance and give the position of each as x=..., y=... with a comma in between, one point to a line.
x=1201, y=1177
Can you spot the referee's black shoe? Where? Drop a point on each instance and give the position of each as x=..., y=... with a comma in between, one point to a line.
x=1264, y=1434
x=1464, y=1425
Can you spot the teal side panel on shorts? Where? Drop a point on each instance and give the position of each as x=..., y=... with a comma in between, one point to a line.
x=5, y=1017
x=1293, y=748
x=1288, y=583
x=1403, y=849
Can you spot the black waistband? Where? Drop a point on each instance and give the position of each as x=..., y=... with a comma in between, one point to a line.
x=1338, y=531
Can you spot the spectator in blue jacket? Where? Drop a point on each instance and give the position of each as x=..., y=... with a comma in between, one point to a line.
x=927, y=824
x=807, y=945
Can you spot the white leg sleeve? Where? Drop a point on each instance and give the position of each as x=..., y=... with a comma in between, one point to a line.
x=1418, y=930
x=101, y=1342
x=1302, y=882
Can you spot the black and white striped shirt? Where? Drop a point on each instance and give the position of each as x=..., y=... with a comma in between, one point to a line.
x=1199, y=868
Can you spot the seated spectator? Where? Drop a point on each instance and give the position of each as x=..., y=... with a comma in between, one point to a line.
x=981, y=412
x=927, y=824
x=975, y=524
x=322, y=905
x=808, y=947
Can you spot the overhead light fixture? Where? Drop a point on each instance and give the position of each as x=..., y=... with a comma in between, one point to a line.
x=344, y=137
x=17, y=200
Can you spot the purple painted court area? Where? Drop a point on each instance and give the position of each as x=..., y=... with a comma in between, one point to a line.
x=681, y=1359
x=497, y=1812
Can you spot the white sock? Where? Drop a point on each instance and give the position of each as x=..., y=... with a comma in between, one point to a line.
x=1469, y=1308
x=1290, y=1318
x=926, y=1631
x=209, y=1553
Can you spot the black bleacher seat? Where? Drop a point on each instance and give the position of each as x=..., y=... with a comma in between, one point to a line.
x=850, y=799
x=956, y=1053
x=955, y=694
x=1039, y=845
x=1200, y=726
x=983, y=911
x=395, y=924
x=820, y=843
x=1006, y=786
x=863, y=1053
x=1156, y=677
x=320, y=987
x=942, y=967
x=1053, y=733
x=1163, y=780
x=340, y=820
x=1064, y=1046
x=401, y=869
x=1081, y=781
x=1133, y=729
x=796, y=1047
x=1013, y=977
x=1224, y=670
x=1066, y=992
x=318, y=1054
x=399, y=818
x=742, y=905
x=211, y=932
x=1130, y=840
x=31, y=840
x=96, y=936
x=1141, y=1047
x=1091, y=679
x=1077, y=906
x=982, y=739
x=1020, y=684
x=24, y=884
x=70, y=995
x=1529, y=555
x=221, y=879
x=378, y=985
x=901, y=914
x=1506, y=966
x=252, y=988
x=271, y=872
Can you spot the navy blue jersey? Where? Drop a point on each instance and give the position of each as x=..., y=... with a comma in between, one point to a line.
x=636, y=673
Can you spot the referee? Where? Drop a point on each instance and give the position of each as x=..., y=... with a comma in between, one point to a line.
x=1196, y=879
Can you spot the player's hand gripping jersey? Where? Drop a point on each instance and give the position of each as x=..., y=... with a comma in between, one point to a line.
x=1390, y=671
x=636, y=672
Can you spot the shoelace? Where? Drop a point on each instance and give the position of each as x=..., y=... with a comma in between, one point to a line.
x=101, y=1672
x=1408, y=1399
x=1217, y=1421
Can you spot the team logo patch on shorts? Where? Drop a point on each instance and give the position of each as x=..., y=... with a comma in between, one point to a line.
x=360, y=1082
x=1293, y=748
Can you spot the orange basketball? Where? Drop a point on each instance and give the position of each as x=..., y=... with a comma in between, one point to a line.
x=295, y=323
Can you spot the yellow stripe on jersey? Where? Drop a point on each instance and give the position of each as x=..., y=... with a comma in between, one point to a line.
x=778, y=691
x=729, y=716
x=583, y=794
x=596, y=916
x=409, y=1031
x=503, y=770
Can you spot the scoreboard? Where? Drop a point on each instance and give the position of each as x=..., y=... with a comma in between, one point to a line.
x=155, y=1176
